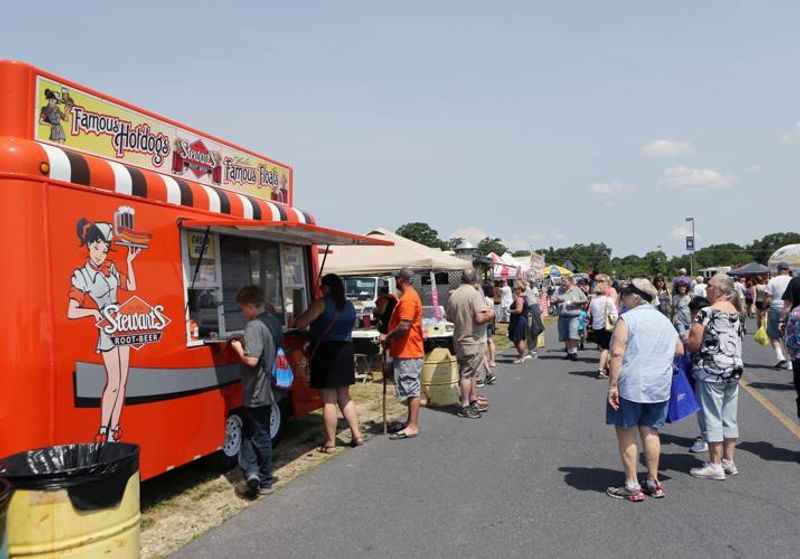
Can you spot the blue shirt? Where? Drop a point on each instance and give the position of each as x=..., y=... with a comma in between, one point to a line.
x=333, y=325
x=646, y=375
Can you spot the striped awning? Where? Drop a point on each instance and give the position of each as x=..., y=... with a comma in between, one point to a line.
x=78, y=168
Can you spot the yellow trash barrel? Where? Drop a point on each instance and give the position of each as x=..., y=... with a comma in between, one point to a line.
x=5, y=496
x=74, y=501
x=440, y=385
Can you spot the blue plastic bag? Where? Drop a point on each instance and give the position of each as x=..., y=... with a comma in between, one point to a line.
x=282, y=375
x=682, y=401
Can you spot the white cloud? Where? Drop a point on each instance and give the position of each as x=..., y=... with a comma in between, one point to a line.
x=613, y=188
x=559, y=236
x=667, y=148
x=754, y=169
x=471, y=233
x=524, y=242
x=684, y=178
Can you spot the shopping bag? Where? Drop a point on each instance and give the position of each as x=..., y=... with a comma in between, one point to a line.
x=760, y=337
x=682, y=401
x=540, y=341
x=282, y=375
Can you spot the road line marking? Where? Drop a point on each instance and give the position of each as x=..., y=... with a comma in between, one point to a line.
x=771, y=408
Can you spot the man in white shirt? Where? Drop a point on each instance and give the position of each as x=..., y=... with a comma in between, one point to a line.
x=775, y=290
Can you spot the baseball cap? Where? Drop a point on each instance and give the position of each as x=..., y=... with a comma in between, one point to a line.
x=405, y=273
x=644, y=288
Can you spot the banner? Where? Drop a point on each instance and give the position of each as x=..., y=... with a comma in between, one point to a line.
x=84, y=122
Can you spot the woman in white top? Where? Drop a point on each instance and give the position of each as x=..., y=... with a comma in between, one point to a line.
x=603, y=314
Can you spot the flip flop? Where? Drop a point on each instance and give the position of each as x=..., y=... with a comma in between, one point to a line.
x=396, y=427
x=326, y=449
x=401, y=435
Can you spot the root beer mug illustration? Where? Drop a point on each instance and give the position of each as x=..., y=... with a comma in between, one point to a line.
x=94, y=294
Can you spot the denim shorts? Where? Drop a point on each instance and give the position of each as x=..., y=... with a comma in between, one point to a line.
x=568, y=328
x=773, y=324
x=633, y=414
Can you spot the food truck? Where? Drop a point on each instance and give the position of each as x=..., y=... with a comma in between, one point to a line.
x=127, y=236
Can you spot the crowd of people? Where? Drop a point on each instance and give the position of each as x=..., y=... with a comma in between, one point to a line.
x=643, y=329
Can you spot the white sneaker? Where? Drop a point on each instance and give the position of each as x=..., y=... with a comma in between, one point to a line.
x=527, y=358
x=709, y=471
x=700, y=445
x=730, y=467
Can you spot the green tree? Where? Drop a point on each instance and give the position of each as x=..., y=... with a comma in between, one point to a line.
x=421, y=233
x=592, y=257
x=521, y=253
x=495, y=245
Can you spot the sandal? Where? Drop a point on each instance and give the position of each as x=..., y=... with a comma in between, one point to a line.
x=325, y=449
x=355, y=443
x=654, y=489
x=400, y=435
x=623, y=492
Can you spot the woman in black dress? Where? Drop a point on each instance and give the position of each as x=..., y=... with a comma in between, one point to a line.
x=518, y=324
x=331, y=319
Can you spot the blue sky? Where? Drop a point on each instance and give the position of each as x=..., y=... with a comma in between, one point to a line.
x=542, y=123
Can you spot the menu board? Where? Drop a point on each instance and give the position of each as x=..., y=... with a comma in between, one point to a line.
x=79, y=120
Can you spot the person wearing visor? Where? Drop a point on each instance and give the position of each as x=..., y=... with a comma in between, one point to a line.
x=643, y=347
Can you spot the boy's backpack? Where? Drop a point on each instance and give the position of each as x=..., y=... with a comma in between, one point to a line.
x=282, y=375
x=793, y=331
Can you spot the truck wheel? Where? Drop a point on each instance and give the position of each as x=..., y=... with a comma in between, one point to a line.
x=233, y=440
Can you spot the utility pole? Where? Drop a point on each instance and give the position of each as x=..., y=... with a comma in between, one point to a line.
x=690, y=247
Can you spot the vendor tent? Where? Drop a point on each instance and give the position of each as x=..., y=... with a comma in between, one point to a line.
x=751, y=269
x=380, y=260
x=789, y=254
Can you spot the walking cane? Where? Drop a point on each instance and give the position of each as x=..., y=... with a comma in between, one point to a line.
x=385, y=424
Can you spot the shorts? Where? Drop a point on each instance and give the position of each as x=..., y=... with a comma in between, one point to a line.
x=719, y=404
x=472, y=365
x=491, y=328
x=602, y=338
x=761, y=305
x=634, y=414
x=773, y=324
x=568, y=328
x=406, y=377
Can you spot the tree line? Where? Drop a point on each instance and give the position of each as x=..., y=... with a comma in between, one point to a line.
x=599, y=257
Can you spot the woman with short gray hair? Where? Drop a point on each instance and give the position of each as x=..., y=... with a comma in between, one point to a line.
x=715, y=340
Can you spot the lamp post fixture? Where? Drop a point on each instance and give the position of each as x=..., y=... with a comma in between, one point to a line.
x=690, y=247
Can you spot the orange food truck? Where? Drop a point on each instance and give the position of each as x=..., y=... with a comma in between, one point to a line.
x=127, y=236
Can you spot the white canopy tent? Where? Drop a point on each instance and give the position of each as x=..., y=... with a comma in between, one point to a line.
x=789, y=254
x=381, y=260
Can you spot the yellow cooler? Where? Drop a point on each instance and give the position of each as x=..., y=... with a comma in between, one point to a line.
x=440, y=378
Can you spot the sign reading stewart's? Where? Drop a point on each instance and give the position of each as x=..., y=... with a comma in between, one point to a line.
x=134, y=323
x=88, y=123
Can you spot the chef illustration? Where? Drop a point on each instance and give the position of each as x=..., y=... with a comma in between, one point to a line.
x=52, y=115
x=94, y=287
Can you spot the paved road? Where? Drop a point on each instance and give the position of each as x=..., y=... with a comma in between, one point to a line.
x=528, y=479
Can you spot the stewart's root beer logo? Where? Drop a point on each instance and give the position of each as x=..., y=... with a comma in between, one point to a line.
x=197, y=158
x=134, y=323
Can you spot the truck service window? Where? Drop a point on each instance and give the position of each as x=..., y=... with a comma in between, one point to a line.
x=230, y=262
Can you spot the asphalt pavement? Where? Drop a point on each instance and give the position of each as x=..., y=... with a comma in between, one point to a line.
x=528, y=480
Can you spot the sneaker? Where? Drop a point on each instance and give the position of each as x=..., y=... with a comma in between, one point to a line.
x=781, y=364
x=252, y=483
x=709, y=471
x=266, y=490
x=573, y=357
x=730, y=467
x=528, y=357
x=654, y=489
x=700, y=445
x=480, y=383
x=633, y=495
x=601, y=374
x=789, y=366
x=480, y=407
x=491, y=379
x=469, y=412
x=534, y=354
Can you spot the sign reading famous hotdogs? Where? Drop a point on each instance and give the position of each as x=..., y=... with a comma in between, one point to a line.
x=84, y=122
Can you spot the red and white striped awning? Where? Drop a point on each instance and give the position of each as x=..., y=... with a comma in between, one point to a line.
x=78, y=168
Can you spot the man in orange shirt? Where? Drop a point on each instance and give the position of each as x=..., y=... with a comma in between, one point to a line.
x=406, y=346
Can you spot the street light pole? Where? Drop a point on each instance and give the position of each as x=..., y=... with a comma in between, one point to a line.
x=691, y=255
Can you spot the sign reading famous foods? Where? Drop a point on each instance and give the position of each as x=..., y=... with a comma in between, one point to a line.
x=84, y=122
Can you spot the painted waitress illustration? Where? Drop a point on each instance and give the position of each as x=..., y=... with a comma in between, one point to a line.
x=94, y=289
